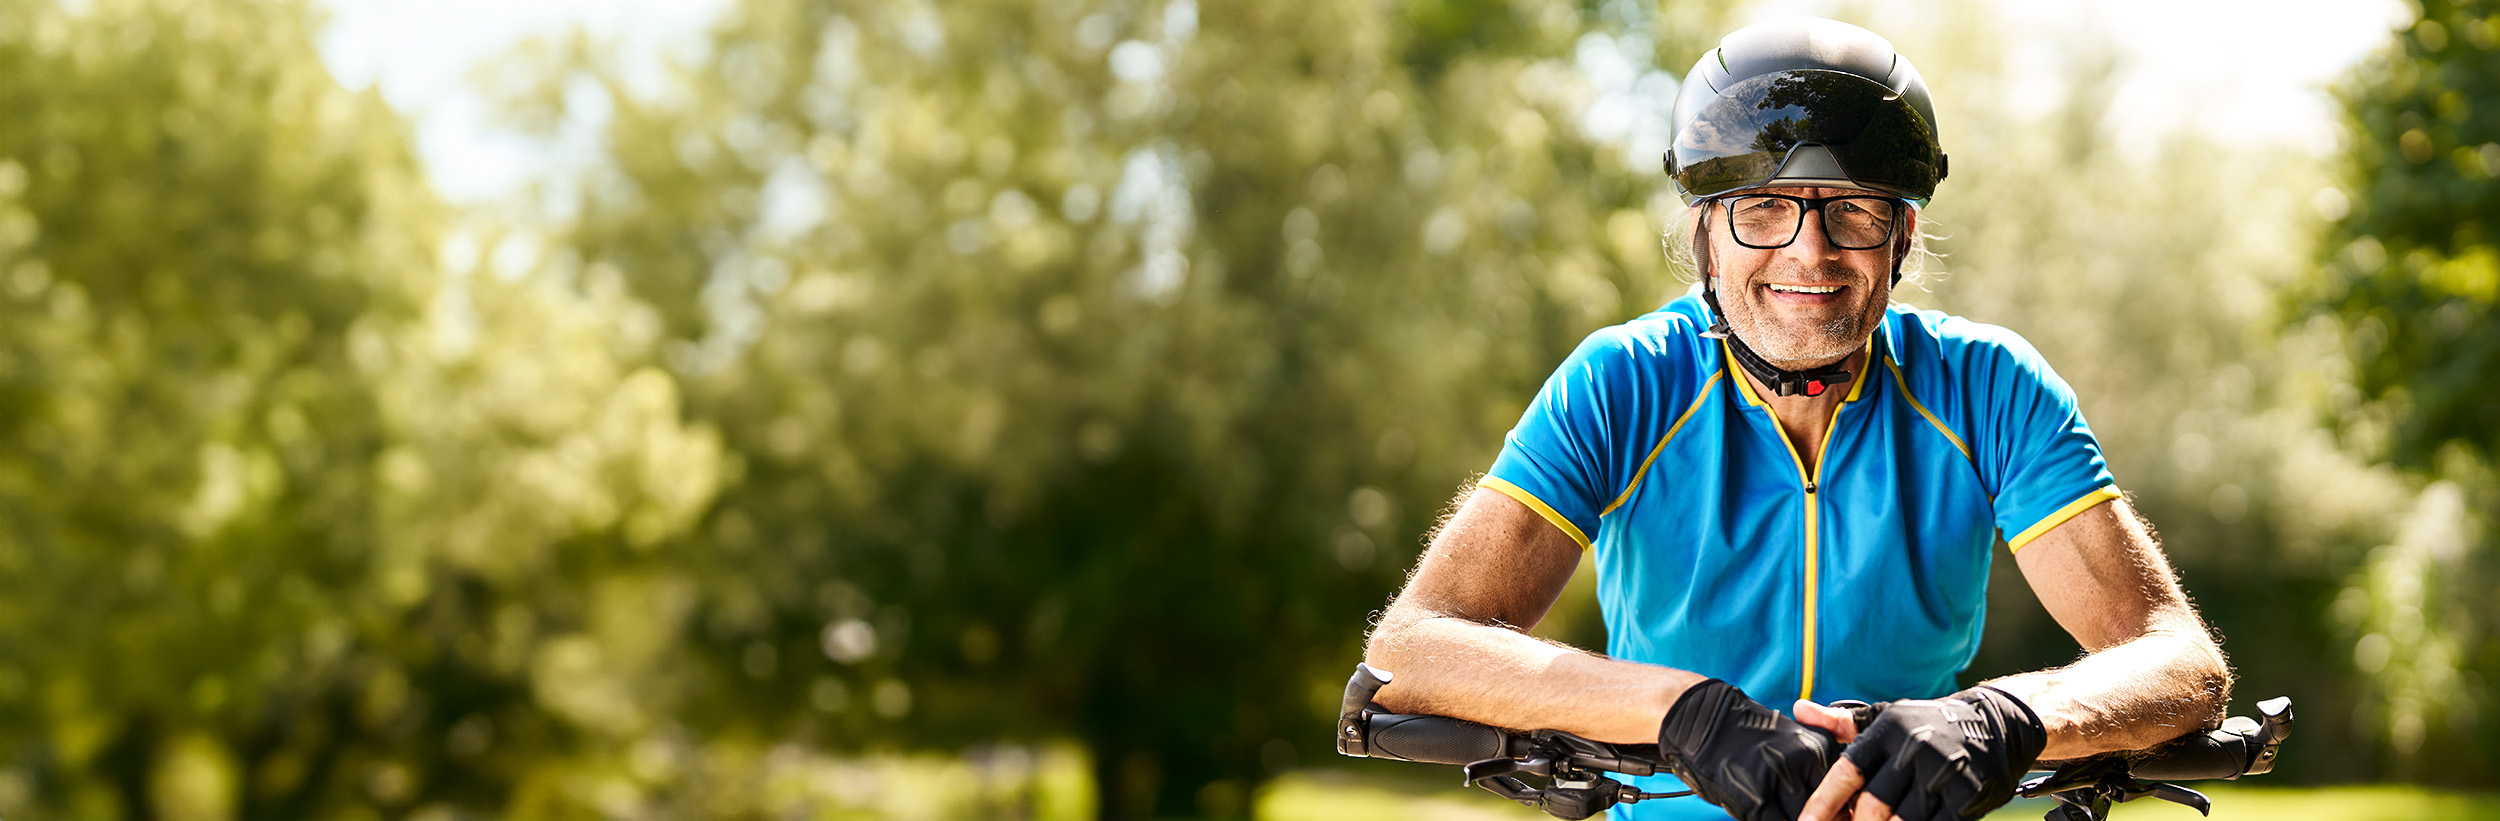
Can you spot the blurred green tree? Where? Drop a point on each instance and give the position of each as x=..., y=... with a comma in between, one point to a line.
x=299, y=521
x=2410, y=282
x=1093, y=366
x=2414, y=267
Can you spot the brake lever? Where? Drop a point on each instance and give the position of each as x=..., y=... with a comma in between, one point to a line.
x=2175, y=794
x=2269, y=735
x=1512, y=788
x=1359, y=691
x=2074, y=775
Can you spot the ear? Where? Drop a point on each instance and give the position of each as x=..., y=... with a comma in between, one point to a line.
x=1700, y=230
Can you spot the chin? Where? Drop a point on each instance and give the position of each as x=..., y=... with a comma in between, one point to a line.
x=1801, y=357
x=1813, y=347
x=1796, y=342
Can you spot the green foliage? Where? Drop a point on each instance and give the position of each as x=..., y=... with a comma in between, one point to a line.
x=299, y=523
x=2414, y=268
x=2411, y=282
x=189, y=249
x=1440, y=31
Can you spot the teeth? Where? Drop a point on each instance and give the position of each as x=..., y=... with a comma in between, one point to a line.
x=1806, y=289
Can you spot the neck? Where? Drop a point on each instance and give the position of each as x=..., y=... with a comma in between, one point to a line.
x=1805, y=420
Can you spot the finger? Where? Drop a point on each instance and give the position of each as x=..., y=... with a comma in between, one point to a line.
x=1870, y=808
x=1916, y=805
x=1831, y=797
x=1954, y=796
x=1840, y=723
x=1887, y=784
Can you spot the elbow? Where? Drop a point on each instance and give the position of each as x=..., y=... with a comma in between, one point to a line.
x=2210, y=672
x=2190, y=673
x=2218, y=684
x=1389, y=637
x=1392, y=648
x=1406, y=635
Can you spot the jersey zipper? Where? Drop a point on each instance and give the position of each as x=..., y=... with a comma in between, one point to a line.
x=1811, y=483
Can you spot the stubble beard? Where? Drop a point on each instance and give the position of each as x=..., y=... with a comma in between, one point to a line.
x=1796, y=344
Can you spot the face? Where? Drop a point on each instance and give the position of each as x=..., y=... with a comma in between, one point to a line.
x=1809, y=303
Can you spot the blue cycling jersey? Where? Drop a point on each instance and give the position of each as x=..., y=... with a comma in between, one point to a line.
x=1717, y=550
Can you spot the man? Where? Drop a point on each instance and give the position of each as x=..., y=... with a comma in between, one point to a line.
x=1794, y=489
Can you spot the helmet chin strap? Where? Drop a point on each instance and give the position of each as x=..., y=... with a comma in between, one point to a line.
x=1783, y=382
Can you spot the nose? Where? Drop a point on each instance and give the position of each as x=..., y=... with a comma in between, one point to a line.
x=1811, y=243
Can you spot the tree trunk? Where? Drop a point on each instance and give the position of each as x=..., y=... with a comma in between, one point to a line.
x=128, y=762
x=1136, y=783
x=1164, y=748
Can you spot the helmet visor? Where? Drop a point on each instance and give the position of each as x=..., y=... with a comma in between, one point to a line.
x=1743, y=135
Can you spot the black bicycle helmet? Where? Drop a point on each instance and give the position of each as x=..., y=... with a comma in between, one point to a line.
x=1805, y=101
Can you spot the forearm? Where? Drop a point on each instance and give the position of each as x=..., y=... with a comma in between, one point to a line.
x=1453, y=666
x=1456, y=637
x=2129, y=696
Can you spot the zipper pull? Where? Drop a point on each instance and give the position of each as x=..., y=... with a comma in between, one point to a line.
x=1809, y=487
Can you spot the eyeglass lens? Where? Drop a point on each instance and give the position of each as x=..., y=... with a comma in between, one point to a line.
x=1849, y=223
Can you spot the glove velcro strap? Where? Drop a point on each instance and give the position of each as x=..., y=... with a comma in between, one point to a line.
x=2024, y=733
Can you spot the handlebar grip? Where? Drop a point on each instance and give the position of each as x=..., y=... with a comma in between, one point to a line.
x=1435, y=739
x=2210, y=754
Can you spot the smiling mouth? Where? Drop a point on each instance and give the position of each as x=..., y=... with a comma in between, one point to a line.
x=1805, y=289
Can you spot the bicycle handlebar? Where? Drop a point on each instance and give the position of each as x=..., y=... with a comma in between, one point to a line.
x=2085, y=788
x=2242, y=746
x=1440, y=740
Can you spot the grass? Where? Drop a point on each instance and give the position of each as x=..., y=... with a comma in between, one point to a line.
x=1333, y=795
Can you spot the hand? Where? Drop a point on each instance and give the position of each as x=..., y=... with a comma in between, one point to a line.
x=1952, y=758
x=1841, y=722
x=1756, y=764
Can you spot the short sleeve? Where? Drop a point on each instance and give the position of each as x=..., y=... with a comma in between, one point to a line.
x=1571, y=451
x=2036, y=451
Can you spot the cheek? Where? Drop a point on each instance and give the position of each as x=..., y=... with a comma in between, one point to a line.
x=1879, y=302
x=1739, y=269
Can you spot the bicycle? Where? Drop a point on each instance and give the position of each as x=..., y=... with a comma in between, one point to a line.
x=1574, y=770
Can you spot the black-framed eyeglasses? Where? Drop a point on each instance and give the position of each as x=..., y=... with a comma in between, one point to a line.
x=1854, y=222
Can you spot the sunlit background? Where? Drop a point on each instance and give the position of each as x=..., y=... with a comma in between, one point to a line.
x=1014, y=408
x=2244, y=69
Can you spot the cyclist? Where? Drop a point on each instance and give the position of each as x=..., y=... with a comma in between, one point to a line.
x=1794, y=488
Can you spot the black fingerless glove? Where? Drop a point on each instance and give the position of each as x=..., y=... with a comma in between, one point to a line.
x=1951, y=758
x=1753, y=762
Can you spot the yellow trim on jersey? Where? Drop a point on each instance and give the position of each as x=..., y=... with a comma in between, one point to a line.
x=1814, y=552
x=2071, y=510
x=1538, y=505
x=1626, y=495
x=1903, y=385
